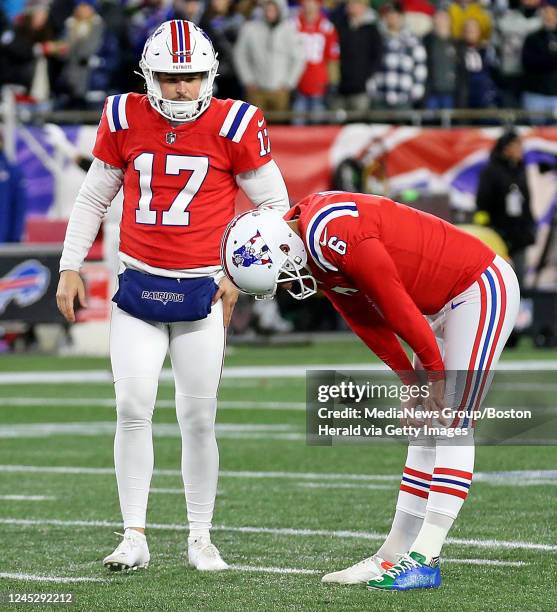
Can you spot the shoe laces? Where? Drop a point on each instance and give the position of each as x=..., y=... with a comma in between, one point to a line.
x=405, y=563
x=126, y=544
x=210, y=550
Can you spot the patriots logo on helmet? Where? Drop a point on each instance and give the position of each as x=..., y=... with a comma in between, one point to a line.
x=25, y=284
x=253, y=253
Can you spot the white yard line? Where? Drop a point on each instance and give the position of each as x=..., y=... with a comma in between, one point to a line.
x=160, y=430
x=57, y=579
x=485, y=562
x=284, y=531
x=244, y=568
x=510, y=478
x=342, y=485
x=26, y=498
x=239, y=372
x=48, y=402
x=273, y=570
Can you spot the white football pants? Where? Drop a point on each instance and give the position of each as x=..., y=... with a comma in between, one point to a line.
x=137, y=352
x=471, y=331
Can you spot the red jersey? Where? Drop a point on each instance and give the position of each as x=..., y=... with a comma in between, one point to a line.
x=321, y=47
x=384, y=265
x=179, y=186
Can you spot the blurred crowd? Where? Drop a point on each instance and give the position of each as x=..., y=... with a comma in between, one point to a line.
x=306, y=56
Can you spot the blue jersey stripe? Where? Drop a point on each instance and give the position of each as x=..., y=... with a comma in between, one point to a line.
x=237, y=120
x=318, y=220
x=481, y=374
x=415, y=482
x=115, y=115
x=454, y=482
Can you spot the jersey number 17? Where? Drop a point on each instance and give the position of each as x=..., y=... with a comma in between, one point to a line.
x=177, y=213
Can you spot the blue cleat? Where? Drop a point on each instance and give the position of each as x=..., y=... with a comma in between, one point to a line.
x=411, y=572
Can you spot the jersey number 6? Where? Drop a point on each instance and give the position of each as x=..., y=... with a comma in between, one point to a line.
x=177, y=213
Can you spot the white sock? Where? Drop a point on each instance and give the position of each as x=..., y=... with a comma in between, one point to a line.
x=432, y=535
x=403, y=532
x=200, y=460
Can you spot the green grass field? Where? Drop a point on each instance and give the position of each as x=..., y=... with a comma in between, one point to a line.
x=286, y=512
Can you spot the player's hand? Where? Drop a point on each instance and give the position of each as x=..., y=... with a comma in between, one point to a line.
x=435, y=402
x=70, y=285
x=410, y=406
x=229, y=295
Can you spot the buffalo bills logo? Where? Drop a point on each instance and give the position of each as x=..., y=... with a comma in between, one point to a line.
x=25, y=284
x=253, y=253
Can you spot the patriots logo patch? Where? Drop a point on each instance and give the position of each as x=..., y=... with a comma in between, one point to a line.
x=253, y=253
x=25, y=284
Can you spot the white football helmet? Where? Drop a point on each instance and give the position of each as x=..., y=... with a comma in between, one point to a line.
x=179, y=46
x=259, y=250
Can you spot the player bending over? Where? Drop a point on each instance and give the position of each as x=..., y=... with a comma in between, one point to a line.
x=385, y=268
x=181, y=156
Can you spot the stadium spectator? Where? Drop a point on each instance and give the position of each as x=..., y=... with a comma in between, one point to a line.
x=511, y=29
x=539, y=62
x=321, y=55
x=269, y=57
x=222, y=24
x=83, y=38
x=400, y=82
x=59, y=11
x=360, y=53
x=475, y=87
x=504, y=195
x=23, y=43
x=191, y=10
x=13, y=200
x=462, y=10
x=441, y=63
x=147, y=17
x=418, y=16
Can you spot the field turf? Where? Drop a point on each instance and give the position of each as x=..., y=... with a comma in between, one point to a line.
x=286, y=512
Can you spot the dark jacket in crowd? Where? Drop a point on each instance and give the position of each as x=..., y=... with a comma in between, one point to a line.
x=441, y=65
x=360, y=52
x=539, y=62
x=475, y=84
x=503, y=193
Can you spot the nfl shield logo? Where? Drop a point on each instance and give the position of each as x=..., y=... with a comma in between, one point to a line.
x=170, y=138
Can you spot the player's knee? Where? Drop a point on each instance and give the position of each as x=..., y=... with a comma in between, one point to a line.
x=135, y=400
x=196, y=415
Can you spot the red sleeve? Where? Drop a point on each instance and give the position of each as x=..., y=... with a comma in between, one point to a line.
x=107, y=147
x=253, y=149
x=372, y=329
x=378, y=278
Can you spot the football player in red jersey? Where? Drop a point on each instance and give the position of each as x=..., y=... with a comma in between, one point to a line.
x=180, y=155
x=394, y=272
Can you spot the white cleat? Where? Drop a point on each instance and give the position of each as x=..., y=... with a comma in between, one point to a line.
x=360, y=572
x=204, y=555
x=131, y=554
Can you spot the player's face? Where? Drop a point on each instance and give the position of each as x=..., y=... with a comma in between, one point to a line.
x=183, y=86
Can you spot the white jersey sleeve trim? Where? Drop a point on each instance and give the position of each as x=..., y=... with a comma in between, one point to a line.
x=100, y=186
x=237, y=120
x=116, y=112
x=265, y=187
x=316, y=234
